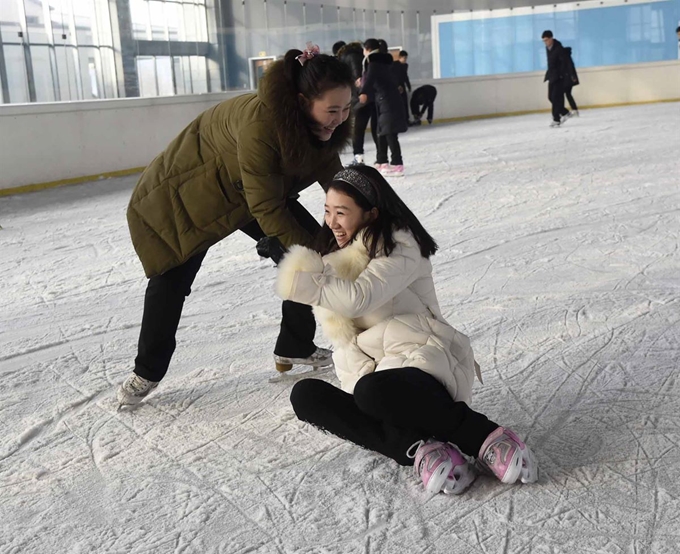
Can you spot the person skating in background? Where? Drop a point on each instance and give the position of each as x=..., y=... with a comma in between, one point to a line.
x=352, y=55
x=379, y=81
x=556, y=76
x=401, y=75
x=337, y=47
x=405, y=374
x=571, y=80
x=422, y=100
x=238, y=166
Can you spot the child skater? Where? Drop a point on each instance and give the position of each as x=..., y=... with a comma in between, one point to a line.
x=405, y=374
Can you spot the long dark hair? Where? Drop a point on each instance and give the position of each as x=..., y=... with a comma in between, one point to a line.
x=313, y=79
x=393, y=215
x=352, y=54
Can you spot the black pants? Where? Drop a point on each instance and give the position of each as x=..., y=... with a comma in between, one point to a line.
x=418, y=111
x=362, y=116
x=390, y=411
x=556, y=97
x=392, y=141
x=570, y=98
x=164, y=301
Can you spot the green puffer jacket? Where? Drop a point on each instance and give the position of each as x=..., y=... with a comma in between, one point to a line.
x=238, y=161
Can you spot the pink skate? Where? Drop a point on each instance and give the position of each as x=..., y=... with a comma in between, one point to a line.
x=442, y=467
x=508, y=458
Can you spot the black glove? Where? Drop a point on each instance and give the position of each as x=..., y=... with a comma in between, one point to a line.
x=271, y=247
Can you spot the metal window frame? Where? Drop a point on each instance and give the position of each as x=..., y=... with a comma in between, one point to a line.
x=26, y=46
x=4, y=82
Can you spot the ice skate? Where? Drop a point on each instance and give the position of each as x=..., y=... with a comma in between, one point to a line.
x=442, y=467
x=321, y=357
x=318, y=363
x=566, y=116
x=508, y=458
x=555, y=123
x=357, y=160
x=381, y=167
x=574, y=113
x=393, y=171
x=134, y=389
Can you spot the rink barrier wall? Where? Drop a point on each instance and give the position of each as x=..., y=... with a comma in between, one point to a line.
x=107, y=135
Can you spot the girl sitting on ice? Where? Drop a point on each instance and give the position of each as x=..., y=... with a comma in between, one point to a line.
x=406, y=375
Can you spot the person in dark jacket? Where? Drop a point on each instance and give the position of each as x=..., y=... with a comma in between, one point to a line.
x=423, y=99
x=401, y=75
x=352, y=55
x=556, y=75
x=571, y=81
x=239, y=166
x=378, y=80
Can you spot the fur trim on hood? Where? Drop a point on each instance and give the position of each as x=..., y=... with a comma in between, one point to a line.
x=299, y=146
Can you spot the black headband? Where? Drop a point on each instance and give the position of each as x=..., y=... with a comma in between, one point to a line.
x=360, y=182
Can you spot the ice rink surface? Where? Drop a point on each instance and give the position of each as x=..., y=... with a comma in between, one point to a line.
x=559, y=259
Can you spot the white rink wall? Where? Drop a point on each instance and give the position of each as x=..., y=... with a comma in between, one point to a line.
x=44, y=143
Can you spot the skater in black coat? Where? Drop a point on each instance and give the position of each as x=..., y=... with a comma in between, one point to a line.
x=400, y=71
x=378, y=80
x=352, y=55
x=556, y=76
x=571, y=80
x=421, y=100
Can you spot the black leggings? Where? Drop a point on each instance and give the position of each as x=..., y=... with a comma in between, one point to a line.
x=164, y=300
x=390, y=411
x=392, y=141
x=362, y=115
x=570, y=98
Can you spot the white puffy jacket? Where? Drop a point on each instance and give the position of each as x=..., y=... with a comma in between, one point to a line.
x=379, y=314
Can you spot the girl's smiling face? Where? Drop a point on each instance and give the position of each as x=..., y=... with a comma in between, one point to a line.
x=344, y=216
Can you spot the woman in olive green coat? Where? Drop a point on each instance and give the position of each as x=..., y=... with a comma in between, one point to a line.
x=238, y=166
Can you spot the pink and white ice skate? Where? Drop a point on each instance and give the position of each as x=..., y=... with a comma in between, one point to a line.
x=441, y=467
x=508, y=458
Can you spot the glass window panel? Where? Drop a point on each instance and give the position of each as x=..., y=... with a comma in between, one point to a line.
x=59, y=17
x=109, y=73
x=481, y=36
x=173, y=14
x=190, y=22
x=139, y=14
x=164, y=75
x=186, y=72
x=463, y=49
x=66, y=70
x=202, y=22
x=42, y=73
x=89, y=73
x=16, y=73
x=35, y=21
x=502, y=31
x=179, y=76
x=83, y=11
x=157, y=18
x=523, y=51
x=146, y=71
x=9, y=21
x=199, y=75
x=103, y=22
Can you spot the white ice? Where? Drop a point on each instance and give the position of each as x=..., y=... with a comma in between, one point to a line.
x=559, y=258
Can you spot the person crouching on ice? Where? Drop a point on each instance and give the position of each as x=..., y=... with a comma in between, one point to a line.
x=405, y=374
